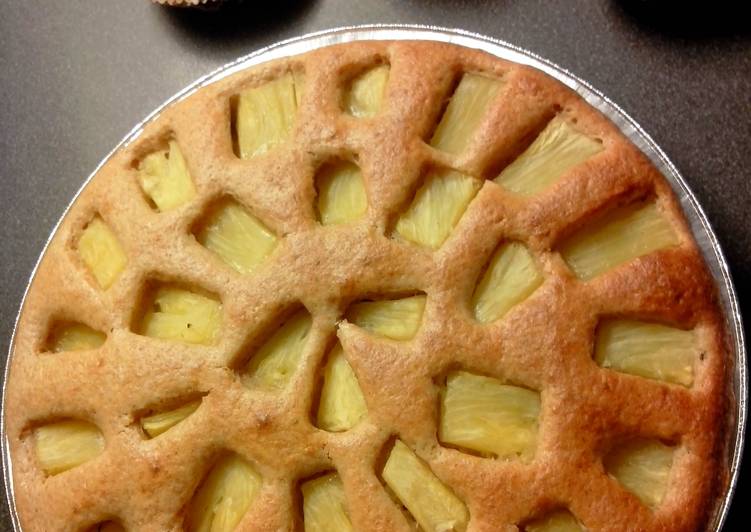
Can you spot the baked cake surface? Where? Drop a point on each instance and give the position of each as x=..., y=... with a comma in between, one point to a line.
x=379, y=286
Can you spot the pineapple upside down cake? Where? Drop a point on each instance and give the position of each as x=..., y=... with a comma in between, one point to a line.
x=379, y=286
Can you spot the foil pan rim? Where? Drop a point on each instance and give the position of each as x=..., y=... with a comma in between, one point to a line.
x=701, y=229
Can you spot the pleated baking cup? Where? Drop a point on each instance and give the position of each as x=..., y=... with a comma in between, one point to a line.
x=737, y=383
x=188, y=3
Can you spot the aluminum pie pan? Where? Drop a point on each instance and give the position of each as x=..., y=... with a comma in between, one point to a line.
x=701, y=229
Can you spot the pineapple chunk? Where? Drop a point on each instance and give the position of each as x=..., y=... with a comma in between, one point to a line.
x=481, y=414
x=239, y=238
x=647, y=349
x=465, y=112
x=156, y=424
x=434, y=505
x=558, y=521
x=66, y=444
x=622, y=235
x=177, y=314
x=643, y=468
x=164, y=177
x=342, y=403
x=365, y=94
x=437, y=207
x=510, y=278
x=108, y=526
x=101, y=252
x=75, y=337
x=341, y=193
x=556, y=150
x=265, y=115
x=397, y=319
x=324, y=505
x=273, y=366
x=222, y=499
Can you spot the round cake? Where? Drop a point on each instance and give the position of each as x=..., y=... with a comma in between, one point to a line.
x=378, y=286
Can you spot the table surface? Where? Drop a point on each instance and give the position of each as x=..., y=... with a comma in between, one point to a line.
x=76, y=76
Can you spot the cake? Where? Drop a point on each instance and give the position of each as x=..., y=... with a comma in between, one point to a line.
x=378, y=286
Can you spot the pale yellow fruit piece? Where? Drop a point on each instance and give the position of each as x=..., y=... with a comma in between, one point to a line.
x=324, y=505
x=643, y=468
x=558, y=521
x=182, y=315
x=435, y=507
x=265, y=116
x=622, y=235
x=465, y=112
x=239, y=238
x=397, y=319
x=647, y=349
x=66, y=444
x=437, y=207
x=156, y=424
x=109, y=526
x=165, y=178
x=557, y=149
x=342, y=403
x=365, y=95
x=101, y=252
x=275, y=362
x=341, y=193
x=484, y=415
x=223, y=497
x=75, y=337
x=510, y=278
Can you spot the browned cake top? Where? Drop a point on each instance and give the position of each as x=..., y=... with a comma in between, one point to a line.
x=544, y=343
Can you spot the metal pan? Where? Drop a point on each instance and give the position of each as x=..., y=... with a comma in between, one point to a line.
x=702, y=231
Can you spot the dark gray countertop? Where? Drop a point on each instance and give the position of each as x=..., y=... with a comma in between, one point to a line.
x=76, y=76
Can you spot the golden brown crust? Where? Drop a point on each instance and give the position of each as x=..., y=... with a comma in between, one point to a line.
x=545, y=344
